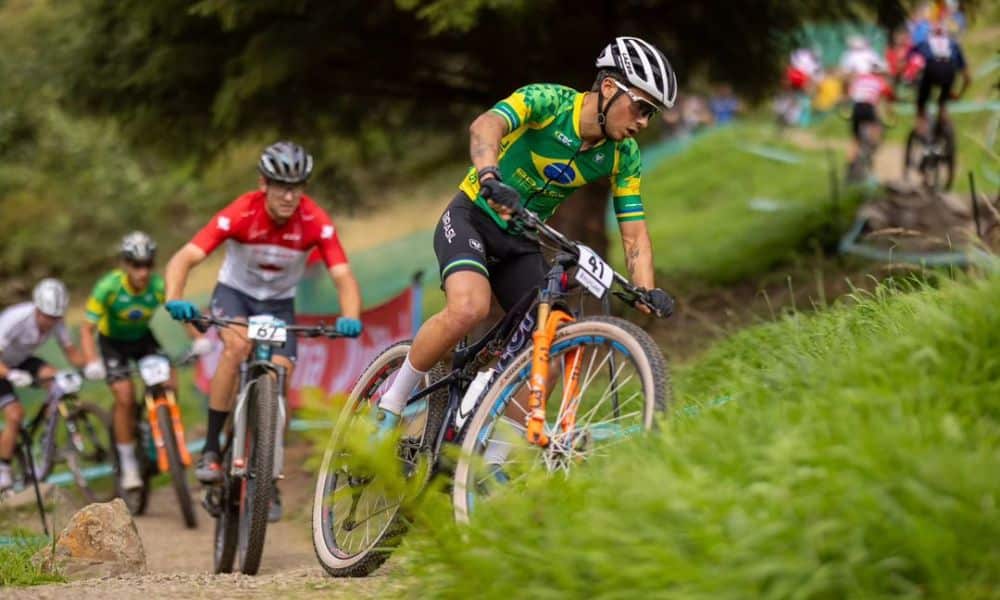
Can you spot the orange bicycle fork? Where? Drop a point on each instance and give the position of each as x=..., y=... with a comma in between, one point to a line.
x=153, y=401
x=549, y=320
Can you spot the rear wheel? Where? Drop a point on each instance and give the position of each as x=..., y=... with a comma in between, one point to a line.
x=256, y=486
x=622, y=384
x=356, y=522
x=177, y=471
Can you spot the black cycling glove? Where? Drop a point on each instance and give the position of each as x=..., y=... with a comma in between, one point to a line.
x=661, y=302
x=501, y=193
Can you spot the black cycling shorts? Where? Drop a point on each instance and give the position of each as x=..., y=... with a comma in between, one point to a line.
x=32, y=364
x=118, y=353
x=862, y=114
x=940, y=73
x=228, y=303
x=467, y=239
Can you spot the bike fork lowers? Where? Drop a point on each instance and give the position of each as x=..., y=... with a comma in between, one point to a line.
x=549, y=321
x=170, y=400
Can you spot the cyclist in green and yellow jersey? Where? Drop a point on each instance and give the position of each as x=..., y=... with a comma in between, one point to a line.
x=119, y=308
x=537, y=146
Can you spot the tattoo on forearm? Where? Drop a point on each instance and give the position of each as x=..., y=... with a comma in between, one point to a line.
x=479, y=148
x=631, y=255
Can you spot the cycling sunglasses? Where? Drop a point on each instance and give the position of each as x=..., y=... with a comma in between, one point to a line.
x=140, y=264
x=646, y=108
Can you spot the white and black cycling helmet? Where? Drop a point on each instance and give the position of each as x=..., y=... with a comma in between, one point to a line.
x=643, y=66
x=51, y=297
x=138, y=247
x=286, y=162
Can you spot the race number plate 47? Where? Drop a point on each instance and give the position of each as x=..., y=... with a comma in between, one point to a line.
x=266, y=328
x=154, y=369
x=593, y=273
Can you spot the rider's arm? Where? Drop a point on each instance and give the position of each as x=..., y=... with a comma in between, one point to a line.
x=963, y=69
x=70, y=350
x=347, y=290
x=485, y=134
x=638, y=253
x=88, y=341
x=335, y=259
x=178, y=268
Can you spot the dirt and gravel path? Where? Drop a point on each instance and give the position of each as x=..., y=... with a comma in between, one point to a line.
x=179, y=560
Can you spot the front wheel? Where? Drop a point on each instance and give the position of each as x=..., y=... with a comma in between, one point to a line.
x=227, y=522
x=356, y=521
x=90, y=453
x=620, y=380
x=255, y=495
x=177, y=471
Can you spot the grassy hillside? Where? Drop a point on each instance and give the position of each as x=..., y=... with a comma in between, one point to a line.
x=850, y=453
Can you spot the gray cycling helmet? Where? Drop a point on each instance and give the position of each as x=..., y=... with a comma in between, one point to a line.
x=286, y=162
x=643, y=66
x=138, y=247
x=51, y=297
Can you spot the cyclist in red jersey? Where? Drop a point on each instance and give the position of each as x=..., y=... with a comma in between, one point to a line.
x=867, y=91
x=269, y=234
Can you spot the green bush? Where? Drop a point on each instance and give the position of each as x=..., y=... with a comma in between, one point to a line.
x=848, y=454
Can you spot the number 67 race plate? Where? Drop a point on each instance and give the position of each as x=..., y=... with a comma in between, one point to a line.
x=593, y=273
x=266, y=328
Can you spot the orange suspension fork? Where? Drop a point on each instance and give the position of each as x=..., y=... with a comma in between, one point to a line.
x=548, y=321
x=175, y=417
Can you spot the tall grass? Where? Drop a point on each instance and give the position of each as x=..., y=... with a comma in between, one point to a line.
x=857, y=456
x=16, y=568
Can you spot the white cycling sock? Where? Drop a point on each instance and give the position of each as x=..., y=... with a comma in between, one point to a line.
x=394, y=399
x=126, y=453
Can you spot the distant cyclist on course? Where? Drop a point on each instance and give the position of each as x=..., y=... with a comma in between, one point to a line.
x=24, y=328
x=537, y=146
x=943, y=59
x=269, y=234
x=119, y=309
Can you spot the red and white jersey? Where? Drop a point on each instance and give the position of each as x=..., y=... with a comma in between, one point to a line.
x=265, y=260
x=869, y=88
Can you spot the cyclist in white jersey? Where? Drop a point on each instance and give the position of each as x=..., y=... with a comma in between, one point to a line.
x=24, y=328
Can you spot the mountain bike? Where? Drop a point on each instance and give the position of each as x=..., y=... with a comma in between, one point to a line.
x=161, y=446
x=608, y=373
x=253, y=452
x=83, y=442
x=934, y=158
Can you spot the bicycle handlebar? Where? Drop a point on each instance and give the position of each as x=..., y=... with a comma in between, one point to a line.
x=630, y=293
x=203, y=322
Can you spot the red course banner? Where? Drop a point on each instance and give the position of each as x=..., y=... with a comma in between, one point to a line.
x=334, y=365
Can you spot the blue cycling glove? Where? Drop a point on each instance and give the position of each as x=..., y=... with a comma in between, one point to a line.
x=182, y=310
x=348, y=326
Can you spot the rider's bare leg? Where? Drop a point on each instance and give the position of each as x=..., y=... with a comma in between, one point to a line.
x=235, y=348
x=124, y=411
x=468, y=298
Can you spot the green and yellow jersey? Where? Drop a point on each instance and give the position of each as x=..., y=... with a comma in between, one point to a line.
x=120, y=312
x=544, y=124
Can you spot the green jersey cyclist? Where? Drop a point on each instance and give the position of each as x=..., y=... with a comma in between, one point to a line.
x=539, y=144
x=119, y=310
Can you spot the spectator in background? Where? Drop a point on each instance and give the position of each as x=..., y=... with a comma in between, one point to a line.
x=920, y=23
x=803, y=72
x=896, y=53
x=829, y=92
x=724, y=104
x=694, y=113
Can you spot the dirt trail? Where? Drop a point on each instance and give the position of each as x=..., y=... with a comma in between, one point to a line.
x=179, y=560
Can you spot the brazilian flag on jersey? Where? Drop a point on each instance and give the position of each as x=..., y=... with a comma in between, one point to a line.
x=123, y=313
x=544, y=124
